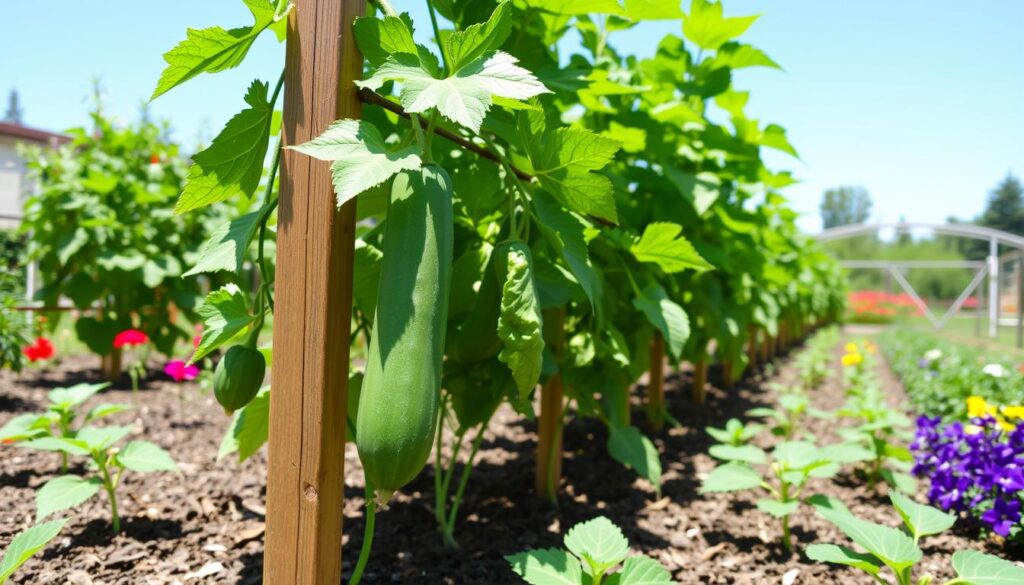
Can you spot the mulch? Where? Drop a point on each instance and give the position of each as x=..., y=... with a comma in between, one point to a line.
x=206, y=525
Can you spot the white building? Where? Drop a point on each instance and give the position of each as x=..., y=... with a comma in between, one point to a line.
x=13, y=182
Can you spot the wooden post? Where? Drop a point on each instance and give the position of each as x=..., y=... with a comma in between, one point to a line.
x=728, y=376
x=752, y=347
x=656, y=384
x=313, y=306
x=548, y=472
x=766, y=344
x=700, y=381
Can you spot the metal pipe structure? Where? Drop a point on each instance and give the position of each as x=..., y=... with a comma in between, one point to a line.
x=993, y=288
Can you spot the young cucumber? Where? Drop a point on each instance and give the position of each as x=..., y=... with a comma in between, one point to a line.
x=398, y=406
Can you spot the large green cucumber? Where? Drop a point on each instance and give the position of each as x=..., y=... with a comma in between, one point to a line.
x=398, y=407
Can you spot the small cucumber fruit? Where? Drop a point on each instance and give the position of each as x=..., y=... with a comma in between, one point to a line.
x=238, y=377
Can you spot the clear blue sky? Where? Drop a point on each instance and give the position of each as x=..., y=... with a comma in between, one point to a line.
x=919, y=101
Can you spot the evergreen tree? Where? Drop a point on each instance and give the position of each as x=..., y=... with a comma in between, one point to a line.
x=845, y=206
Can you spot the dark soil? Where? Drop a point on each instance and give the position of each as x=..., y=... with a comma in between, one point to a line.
x=206, y=526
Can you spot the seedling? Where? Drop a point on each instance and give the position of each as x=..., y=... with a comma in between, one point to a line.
x=787, y=470
x=735, y=433
x=109, y=462
x=884, y=430
x=898, y=550
x=60, y=417
x=26, y=544
x=595, y=548
x=786, y=417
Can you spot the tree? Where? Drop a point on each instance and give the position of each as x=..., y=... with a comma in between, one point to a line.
x=1005, y=207
x=14, y=113
x=845, y=205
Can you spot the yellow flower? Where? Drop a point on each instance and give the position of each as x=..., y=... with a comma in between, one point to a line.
x=852, y=359
x=851, y=348
x=976, y=406
x=1005, y=425
x=1013, y=411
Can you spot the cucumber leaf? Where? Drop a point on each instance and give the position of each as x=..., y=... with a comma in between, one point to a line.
x=225, y=314
x=520, y=325
x=662, y=243
x=599, y=542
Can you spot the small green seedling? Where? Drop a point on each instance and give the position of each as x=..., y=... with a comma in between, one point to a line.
x=60, y=417
x=885, y=432
x=787, y=470
x=595, y=548
x=109, y=462
x=898, y=550
x=27, y=544
x=785, y=418
x=734, y=433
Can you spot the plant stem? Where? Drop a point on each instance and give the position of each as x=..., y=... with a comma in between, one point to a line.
x=786, y=542
x=437, y=37
x=368, y=528
x=111, y=488
x=449, y=528
x=384, y=7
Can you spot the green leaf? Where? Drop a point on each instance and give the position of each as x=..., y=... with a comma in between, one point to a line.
x=380, y=37
x=102, y=410
x=70, y=243
x=100, y=438
x=225, y=314
x=576, y=7
x=66, y=491
x=920, y=519
x=828, y=503
x=520, y=325
x=776, y=508
x=598, y=541
x=563, y=162
x=463, y=97
x=731, y=477
x=366, y=278
x=741, y=453
x=892, y=547
x=975, y=568
x=227, y=247
x=65, y=398
x=903, y=482
x=845, y=453
x=24, y=427
x=565, y=234
x=653, y=9
x=26, y=544
x=252, y=425
x=701, y=190
x=739, y=56
x=631, y=448
x=233, y=163
x=214, y=49
x=547, y=567
x=644, y=571
x=840, y=555
x=146, y=457
x=663, y=244
x=666, y=316
x=69, y=446
x=361, y=158
x=708, y=29
x=462, y=47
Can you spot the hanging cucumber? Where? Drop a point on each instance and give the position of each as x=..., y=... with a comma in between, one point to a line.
x=238, y=377
x=398, y=407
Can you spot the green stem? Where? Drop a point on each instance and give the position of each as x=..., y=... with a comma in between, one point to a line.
x=439, y=495
x=437, y=37
x=449, y=528
x=368, y=528
x=786, y=541
x=111, y=488
x=384, y=7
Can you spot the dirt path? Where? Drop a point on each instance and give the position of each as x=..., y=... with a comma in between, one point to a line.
x=206, y=526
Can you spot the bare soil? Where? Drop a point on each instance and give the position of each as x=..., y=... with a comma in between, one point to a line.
x=206, y=525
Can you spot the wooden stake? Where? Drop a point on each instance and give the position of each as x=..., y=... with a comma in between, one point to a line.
x=656, y=384
x=548, y=472
x=313, y=306
x=728, y=376
x=700, y=381
x=752, y=354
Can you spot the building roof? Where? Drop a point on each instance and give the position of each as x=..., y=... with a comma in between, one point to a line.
x=32, y=134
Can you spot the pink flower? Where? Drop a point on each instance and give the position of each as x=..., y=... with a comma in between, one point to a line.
x=130, y=337
x=179, y=371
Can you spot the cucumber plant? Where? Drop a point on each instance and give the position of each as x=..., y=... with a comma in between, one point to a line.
x=109, y=462
x=60, y=420
x=899, y=551
x=593, y=550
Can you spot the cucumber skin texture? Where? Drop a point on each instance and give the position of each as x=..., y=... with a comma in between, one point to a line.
x=398, y=406
x=478, y=339
x=238, y=377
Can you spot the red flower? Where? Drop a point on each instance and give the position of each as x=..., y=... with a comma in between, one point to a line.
x=42, y=349
x=154, y=159
x=130, y=337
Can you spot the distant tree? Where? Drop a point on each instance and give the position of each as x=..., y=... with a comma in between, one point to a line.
x=845, y=205
x=1005, y=207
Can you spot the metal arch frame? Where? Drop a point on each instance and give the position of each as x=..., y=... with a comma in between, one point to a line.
x=991, y=265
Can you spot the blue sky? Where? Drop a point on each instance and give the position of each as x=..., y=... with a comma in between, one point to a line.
x=919, y=101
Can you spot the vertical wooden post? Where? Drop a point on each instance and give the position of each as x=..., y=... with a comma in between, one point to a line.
x=700, y=380
x=728, y=375
x=766, y=344
x=548, y=471
x=313, y=306
x=752, y=347
x=656, y=384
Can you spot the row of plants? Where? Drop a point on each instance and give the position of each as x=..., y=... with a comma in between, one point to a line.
x=873, y=437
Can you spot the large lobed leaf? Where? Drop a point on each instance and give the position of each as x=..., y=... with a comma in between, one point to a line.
x=599, y=542
x=225, y=314
x=662, y=243
x=564, y=162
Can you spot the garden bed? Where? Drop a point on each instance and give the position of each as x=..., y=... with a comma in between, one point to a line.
x=206, y=526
